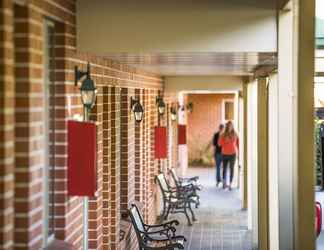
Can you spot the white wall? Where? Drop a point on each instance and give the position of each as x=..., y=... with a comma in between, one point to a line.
x=182, y=149
x=174, y=26
x=286, y=128
x=273, y=187
x=252, y=167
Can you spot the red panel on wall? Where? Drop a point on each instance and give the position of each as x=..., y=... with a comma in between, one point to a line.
x=82, y=154
x=182, y=134
x=160, y=142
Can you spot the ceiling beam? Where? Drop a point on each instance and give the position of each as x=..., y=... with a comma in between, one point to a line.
x=264, y=71
x=282, y=4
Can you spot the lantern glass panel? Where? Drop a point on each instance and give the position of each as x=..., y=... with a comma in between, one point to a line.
x=161, y=109
x=138, y=116
x=88, y=97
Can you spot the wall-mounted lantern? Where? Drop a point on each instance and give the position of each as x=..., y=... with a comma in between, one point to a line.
x=190, y=107
x=88, y=89
x=137, y=109
x=160, y=104
x=173, y=113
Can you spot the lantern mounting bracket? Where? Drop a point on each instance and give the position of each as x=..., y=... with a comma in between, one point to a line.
x=133, y=101
x=78, y=74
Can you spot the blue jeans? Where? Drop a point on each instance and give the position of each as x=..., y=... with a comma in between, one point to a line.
x=228, y=160
x=218, y=160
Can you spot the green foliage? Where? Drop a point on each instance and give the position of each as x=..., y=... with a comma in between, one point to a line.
x=205, y=156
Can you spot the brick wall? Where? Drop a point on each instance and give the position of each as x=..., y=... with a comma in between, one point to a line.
x=202, y=124
x=114, y=198
x=7, y=129
x=126, y=165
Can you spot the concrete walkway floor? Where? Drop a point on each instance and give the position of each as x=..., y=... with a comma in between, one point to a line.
x=221, y=225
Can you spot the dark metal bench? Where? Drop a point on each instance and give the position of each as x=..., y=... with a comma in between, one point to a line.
x=175, y=200
x=155, y=237
x=184, y=181
x=189, y=185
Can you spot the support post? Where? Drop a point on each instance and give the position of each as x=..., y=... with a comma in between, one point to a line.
x=245, y=147
x=304, y=173
x=263, y=164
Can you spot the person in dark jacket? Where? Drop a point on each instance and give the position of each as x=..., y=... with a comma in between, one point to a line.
x=218, y=153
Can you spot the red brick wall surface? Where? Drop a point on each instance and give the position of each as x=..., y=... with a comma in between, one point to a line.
x=7, y=129
x=125, y=158
x=202, y=124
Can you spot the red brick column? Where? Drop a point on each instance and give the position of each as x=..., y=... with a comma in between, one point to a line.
x=145, y=161
x=127, y=152
x=29, y=147
x=95, y=203
x=115, y=169
x=68, y=210
x=153, y=166
x=106, y=172
x=139, y=154
x=7, y=129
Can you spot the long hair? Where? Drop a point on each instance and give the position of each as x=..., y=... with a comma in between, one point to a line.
x=229, y=133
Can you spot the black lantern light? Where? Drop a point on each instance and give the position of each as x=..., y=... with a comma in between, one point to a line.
x=137, y=109
x=173, y=112
x=160, y=104
x=190, y=107
x=88, y=89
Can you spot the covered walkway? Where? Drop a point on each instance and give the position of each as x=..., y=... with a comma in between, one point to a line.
x=221, y=225
x=117, y=76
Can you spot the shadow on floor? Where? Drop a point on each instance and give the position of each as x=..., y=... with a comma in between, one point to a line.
x=221, y=222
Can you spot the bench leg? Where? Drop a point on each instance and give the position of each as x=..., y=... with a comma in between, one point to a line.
x=186, y=213
x=192, y=213
x=198, y=201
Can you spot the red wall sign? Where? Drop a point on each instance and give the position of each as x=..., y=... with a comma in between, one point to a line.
x=82, y=162
x=182, y=134
x=160, y=142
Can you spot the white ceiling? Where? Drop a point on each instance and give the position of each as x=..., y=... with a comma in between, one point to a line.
x=175, y=64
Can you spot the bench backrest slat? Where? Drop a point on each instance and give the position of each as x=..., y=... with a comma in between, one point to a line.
x=174, y=174
x=136, y=218
x=162, y=181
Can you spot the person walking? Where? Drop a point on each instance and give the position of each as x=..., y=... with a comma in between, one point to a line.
x=229, y=141
x=218, y=153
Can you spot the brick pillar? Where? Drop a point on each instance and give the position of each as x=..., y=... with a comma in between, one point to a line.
x=139, y=171
x=127, y=152
x=153, y=166
x=7, y=95
x=68, y=210
x=30, y=137
x=106, y=172
x=145, y=161
x=115, y=169
x=95, y=203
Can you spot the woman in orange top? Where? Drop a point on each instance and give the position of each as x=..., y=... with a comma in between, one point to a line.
x=229, y=141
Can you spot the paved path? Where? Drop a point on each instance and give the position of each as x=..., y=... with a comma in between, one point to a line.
x=221, y=223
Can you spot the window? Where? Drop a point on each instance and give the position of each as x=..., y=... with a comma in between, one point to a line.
x=228, y=110
x=49, y=131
